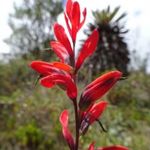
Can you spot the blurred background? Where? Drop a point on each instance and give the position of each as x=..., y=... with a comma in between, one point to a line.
x=29, y=113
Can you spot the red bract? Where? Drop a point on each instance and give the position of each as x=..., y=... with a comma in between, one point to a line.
x=87, y=49
x=66, y=133
x=69, y=8
x=60, y=51
x=98, y=88
x=64, y=81
x=45, y=68
x=73, y=19
x=92, y=115
x=116, y=147
x=62, y=38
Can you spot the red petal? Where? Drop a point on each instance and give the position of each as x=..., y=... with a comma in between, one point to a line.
x=98, y=88
x=44, y=68
x=63, y=67
x=88, y=48
x=60, y=51
x=62, y=80
x=75, y=19
x=62, y=37
x=66, y=133
x=46, y=82
x=105, y=77
x=117, y=147
x=91, y=147
x=96, y=111
x=64, y=118
x=69, y=8
x=91, y=115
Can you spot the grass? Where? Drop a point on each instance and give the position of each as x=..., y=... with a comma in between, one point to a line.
x=29, y=119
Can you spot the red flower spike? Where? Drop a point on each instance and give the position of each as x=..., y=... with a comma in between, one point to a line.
x=63, y=75
x=117, y=147
x=87, y=49
x=98, y=88
x=60, y=51
x=61, y=80
x=62, y=37
x=45, y=68
x=92, y=115
x=66, y=133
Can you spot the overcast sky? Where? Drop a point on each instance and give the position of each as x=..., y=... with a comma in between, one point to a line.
x=6, y=7
x=137, y=21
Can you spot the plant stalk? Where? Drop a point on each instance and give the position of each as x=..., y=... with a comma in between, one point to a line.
x=75, y=105
x=77, y=124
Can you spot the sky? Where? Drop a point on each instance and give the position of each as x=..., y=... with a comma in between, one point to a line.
x=6, y=7
x=137, y=21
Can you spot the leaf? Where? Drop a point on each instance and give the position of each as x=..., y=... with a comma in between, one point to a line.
x=122, y=16
x=114, y=13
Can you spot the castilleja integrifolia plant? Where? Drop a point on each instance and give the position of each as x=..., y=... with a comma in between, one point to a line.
x=87, y=108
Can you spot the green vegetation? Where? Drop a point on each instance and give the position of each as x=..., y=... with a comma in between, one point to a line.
x=29, y=114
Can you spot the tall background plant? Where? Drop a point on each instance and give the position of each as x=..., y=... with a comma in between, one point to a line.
x=112, y=51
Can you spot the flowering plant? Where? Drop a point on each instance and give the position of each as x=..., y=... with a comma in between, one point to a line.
x=64, y=73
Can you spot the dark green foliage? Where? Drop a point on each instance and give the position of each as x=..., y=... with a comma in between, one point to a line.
x=134, y=90
x=29, y=114
x=29, y=135
x=112, y=51
x=29, y=121
x=13, y=75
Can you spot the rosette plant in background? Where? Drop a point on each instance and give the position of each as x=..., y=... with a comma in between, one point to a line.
x=112, y=51
x=87, y=108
